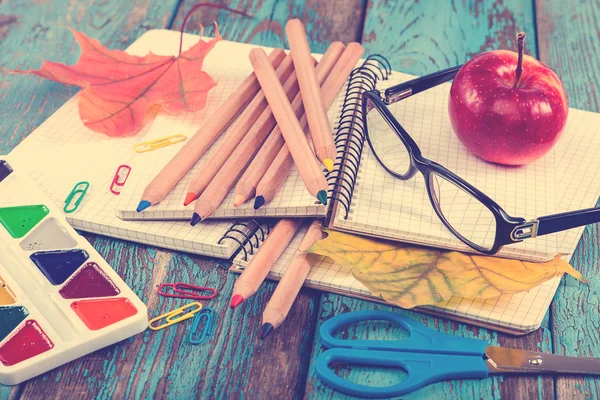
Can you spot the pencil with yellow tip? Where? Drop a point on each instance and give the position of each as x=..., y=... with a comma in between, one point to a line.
x=245, y=189
x=316, y=112
x=236, y=132
x=305, y=160
x=262, y=262
x=197, y=145
x=289, y=286
x=277, y=173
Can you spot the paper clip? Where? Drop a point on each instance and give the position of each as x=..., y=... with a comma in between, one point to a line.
x=175, y=316
x=80, y=189
x=118, y=180
x=158, y=143
x=186, y=291
x=208, y=314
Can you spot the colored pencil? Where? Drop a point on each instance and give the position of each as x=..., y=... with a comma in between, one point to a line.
x=307, y=164
x=289, y=286
x=316, y=112
x=236, y=132
x=197, y=145
x=216, y=191
x=280, y=168
x=262, y=262
x=246, y=186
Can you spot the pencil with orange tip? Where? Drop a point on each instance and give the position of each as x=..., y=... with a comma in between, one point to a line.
x=245, y=188
x=307, y=164
x=277, y=173
x=197, y=145
x=262, y=262
x=316, y=112
x=289, y=286
x=214, y=194
x=234, y=135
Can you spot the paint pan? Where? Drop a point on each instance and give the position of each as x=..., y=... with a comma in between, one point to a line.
x=89, y=281
x=48, y=235
x=5, y=170
x=18, y=221
x=57, y=266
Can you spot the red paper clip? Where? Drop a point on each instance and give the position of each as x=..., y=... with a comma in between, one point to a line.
x=118, y=180
x=186, y=291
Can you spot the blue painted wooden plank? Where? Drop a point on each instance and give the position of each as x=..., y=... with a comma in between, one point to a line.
x=420, y=38
x=569, y=44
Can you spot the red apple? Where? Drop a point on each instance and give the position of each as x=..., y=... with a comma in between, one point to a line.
x=507, y=107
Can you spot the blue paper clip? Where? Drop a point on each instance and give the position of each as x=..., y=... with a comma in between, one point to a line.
x=80, y=189
x=208, y=314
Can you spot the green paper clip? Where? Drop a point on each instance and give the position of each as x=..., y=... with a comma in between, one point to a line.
x=208, y=314
x=80, y=189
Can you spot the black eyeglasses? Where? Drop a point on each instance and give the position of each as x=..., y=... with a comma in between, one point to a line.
x=484, y=226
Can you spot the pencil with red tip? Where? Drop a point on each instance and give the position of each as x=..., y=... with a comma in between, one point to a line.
x=289, y=286
x=263, y=261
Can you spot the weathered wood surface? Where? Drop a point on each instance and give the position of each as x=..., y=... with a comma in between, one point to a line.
x=569, y=44
x=417, y=37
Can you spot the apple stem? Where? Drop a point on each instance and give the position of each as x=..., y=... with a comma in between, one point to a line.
x=520, y=46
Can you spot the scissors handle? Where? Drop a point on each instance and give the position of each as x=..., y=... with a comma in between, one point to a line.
x=422, y=369
x=421, y=339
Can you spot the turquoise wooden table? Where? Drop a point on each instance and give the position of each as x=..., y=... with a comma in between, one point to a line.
x=418, y=37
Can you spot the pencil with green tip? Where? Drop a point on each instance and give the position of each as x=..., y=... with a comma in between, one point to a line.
x=208, y=133
x=273, y=179
x=305, y=160
x=316, y=111
x=289, y=286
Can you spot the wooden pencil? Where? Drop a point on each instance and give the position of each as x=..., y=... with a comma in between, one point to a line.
x=307, y=164
x=316, y=112
x=277, y=173
x=245, y=188
x=197, y=145
x=235, y=133
x=262, y=262
x=216, y=191
x=287, y=290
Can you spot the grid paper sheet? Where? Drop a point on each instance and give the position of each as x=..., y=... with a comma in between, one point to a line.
x=577, y=188
x=62, y=152
x=384, y=206
x=291, y=200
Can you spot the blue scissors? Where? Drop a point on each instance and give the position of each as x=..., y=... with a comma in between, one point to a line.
x=429, y=356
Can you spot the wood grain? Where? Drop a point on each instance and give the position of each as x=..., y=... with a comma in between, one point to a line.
x=568, y=43
x=418, y=38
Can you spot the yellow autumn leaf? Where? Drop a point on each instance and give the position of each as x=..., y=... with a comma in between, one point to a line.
x=410, y=276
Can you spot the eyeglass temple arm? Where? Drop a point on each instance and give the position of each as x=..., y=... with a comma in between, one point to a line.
x=414, y=86
x=560, y=222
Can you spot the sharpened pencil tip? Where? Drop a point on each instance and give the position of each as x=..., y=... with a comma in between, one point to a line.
x=236, y=300
x=238, y=200
x=322, y=196
x=328, y=163
x=258, y=202
x=265, y=330
x=143, y=205
x=195, y=219
x=191, y=196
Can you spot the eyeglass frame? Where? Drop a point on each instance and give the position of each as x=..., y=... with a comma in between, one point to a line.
x=509, y=230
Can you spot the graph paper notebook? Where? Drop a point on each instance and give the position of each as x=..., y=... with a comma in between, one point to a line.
x=62, y=152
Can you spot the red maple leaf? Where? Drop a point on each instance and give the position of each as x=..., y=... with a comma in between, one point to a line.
x=119, y=88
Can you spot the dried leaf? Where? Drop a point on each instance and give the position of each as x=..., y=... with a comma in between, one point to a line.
x=411, y=276
x=120, y=88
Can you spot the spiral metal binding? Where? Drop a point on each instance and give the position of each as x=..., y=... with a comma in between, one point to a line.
x=249, y=234
x=350, y=131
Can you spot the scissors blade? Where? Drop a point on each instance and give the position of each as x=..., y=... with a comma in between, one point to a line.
x=501, y=360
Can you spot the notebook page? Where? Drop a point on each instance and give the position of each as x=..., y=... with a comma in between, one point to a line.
x=384, y=206
x=62, y=152
x=292, y=198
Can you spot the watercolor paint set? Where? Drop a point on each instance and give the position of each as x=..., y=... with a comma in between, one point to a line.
x=59, y=299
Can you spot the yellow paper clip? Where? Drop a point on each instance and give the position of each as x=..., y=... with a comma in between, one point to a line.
x=176, y=316
x=158, y=143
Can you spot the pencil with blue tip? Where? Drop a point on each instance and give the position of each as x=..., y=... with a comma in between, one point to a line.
x=197, y=145
x=289, y=286
x=305, y=160
x=283, y=163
